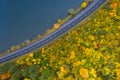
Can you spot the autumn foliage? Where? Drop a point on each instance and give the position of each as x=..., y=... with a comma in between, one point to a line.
x=91, y=51
x=5, y=76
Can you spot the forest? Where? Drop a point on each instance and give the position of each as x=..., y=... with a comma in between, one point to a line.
x=90, y=51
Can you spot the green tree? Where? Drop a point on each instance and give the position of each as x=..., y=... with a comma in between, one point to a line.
x=71, y=11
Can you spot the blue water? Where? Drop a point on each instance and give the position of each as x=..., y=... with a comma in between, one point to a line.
x=21, y=20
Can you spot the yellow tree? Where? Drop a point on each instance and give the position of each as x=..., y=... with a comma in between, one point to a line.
x=84, y=5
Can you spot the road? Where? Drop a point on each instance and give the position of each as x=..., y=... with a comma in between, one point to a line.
x=93, y=6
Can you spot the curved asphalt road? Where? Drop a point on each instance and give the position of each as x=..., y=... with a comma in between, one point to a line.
x=95, y=4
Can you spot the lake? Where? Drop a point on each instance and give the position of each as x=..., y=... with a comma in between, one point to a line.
x=21, y=20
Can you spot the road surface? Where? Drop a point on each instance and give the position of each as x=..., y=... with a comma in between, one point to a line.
x=93, y=6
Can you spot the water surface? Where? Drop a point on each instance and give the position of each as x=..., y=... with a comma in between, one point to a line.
x=25, y=19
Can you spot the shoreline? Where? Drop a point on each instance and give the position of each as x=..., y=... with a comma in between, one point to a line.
x=55, y=26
